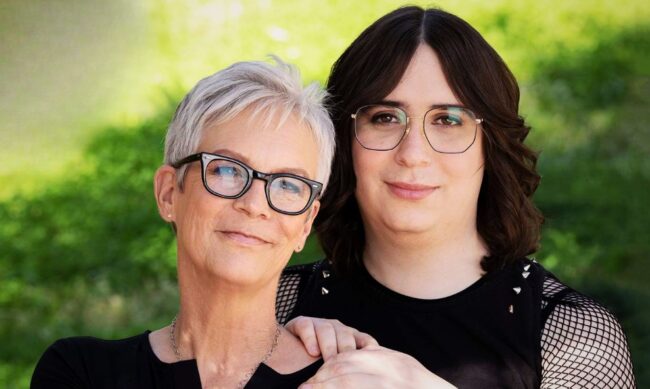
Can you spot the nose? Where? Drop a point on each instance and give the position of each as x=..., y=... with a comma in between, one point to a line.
x=253, y=203
x=414, y=149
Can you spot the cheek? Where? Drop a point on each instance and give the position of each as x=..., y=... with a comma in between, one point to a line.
x=197, y=212
x=367, y=168
x=290, y=237
x=467, y=166
x=291, y=232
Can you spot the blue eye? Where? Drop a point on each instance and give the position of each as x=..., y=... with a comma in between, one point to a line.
x=227, y=171
x=289, y=186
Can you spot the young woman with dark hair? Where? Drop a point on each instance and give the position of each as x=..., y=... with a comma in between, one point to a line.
x=427, y=225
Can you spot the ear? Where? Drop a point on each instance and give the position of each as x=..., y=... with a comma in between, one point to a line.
x=164, y=186
x=311, y=216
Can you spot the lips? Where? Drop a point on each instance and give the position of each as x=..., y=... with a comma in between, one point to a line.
x=410, y=191
x=245, y=238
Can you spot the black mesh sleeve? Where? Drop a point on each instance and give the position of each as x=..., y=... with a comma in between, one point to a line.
x=292, y=282
x=583, y=345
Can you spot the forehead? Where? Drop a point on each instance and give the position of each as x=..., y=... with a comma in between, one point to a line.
x=265, y=142
x=423, y=83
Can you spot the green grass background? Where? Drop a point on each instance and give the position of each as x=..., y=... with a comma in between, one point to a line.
x=87, y=88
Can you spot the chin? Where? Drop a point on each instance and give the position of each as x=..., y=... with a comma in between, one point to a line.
x=243, y=268
x=238, y=275
x=411, y=223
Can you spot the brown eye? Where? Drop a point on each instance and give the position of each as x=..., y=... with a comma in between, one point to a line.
x=384, y=118
x=448, y=120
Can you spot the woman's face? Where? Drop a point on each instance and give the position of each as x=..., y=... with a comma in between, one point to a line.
x=243, y=240
x=413, y=188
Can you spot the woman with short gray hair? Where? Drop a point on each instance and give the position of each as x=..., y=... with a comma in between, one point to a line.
x=247, y=156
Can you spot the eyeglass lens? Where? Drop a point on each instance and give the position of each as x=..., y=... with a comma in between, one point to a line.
x=448, y=129
x=230, y=179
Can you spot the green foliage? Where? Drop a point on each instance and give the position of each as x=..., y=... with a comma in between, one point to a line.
x=592, y=108
x=595, y=163
x=88, y=254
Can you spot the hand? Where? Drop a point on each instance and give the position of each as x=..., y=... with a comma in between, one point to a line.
x=328, y=337
x=374, y=367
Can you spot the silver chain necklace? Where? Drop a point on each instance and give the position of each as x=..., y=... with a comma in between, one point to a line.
x=249, y=374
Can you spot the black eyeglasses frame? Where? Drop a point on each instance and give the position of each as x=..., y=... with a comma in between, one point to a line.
x=205, y=158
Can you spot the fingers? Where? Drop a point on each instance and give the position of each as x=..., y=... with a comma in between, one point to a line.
x=303, y=328
x=335, y=337
x=345, y=364
x=345, y=382
x=364, y=340
x=345, y=338
x=320, y=385
x=346, y=370
x=349, y=339
x=337, y=383
x=326, y=335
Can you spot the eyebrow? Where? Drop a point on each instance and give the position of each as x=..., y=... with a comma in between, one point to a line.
x=399, y=104
x=244, y=159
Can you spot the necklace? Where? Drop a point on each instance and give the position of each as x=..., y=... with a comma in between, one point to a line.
x=249, y=374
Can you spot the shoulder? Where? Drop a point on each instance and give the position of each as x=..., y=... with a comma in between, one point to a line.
x=583, y=344
x=298, y=276
x=90, y=348
x=76, y=362
x=290, y=355
x=304, y=270
x=293, y=283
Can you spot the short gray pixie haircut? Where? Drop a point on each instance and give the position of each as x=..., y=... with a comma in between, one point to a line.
x=274, y=89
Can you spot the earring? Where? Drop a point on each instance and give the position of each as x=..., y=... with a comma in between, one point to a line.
x=169, y=216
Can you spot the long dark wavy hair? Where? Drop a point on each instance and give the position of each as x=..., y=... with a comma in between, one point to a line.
x=371, y=68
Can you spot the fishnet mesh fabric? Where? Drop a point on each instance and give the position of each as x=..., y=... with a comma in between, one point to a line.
x=583, y=345
x=287, y=296
x=289, y=290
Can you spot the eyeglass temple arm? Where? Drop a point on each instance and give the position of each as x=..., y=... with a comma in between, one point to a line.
x=188, y=159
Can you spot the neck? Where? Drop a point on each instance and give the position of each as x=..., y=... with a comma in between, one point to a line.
x=427, y=265
x=227, y=328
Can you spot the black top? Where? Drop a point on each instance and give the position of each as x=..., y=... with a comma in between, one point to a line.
x=85, y=362
x=518, y=327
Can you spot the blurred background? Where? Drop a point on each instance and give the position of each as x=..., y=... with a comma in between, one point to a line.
x=87, y=88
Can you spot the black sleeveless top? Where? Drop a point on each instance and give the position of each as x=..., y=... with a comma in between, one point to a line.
x=85, y=362
x=518, y=327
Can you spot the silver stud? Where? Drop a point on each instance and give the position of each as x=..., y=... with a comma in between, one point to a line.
x=525, y=274
x=517, y=289
x=527, y=267
x=326, y=273
x=534, y=260
x=324, y=291
x=511, y=309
